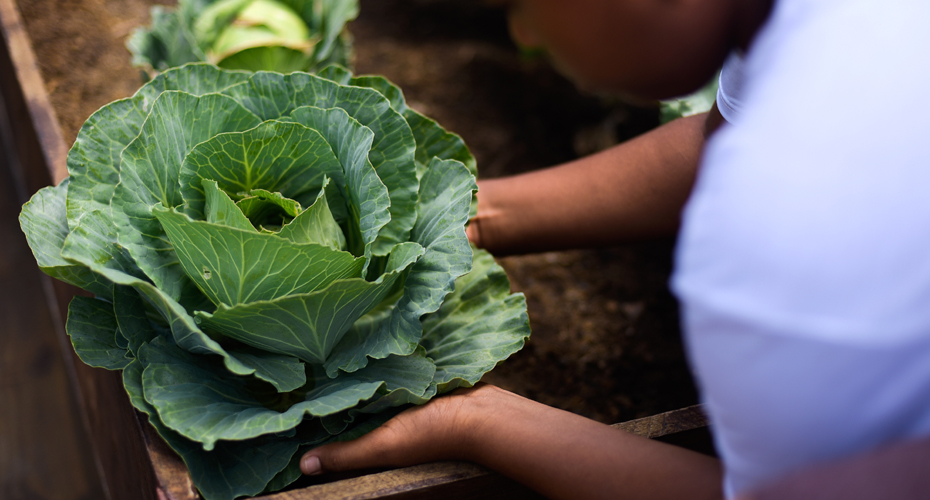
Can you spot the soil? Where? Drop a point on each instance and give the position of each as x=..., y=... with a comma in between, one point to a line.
x=605, y=340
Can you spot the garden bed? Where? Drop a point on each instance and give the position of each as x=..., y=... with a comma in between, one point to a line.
x=605, y=338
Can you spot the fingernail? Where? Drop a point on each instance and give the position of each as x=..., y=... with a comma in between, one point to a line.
x=311, y=465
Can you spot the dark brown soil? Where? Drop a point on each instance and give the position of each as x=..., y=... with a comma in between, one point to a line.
x=605, y=338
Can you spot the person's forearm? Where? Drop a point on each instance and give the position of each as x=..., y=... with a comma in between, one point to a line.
x=632, y=191
x=565, y=456
x=559, y=454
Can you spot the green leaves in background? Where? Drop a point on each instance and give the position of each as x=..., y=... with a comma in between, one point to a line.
x=691, y=104
x=252, y=35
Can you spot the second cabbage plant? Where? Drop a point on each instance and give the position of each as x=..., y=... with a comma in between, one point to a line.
x=253, y=35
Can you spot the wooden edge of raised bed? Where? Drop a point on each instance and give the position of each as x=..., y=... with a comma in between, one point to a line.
x=133, y=461
x=449, y=480
x=121, y=458
x=461, y=480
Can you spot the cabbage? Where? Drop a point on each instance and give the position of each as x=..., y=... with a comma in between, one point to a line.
x=253, y=35
x=277, y=261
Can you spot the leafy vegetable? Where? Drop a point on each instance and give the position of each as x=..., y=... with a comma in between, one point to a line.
x=691, y=104
x=278, y=261
x=254, y=35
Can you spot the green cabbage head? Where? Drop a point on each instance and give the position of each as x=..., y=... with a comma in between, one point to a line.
x=277, y=261
x=253, y=35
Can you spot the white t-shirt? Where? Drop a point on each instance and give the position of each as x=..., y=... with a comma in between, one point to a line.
x=803, y=263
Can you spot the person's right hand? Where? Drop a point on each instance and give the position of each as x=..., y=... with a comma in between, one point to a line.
x=473, y=230
x=633, y=191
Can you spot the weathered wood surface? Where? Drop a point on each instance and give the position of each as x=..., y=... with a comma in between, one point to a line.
x=463, y=480
x=447, y=480
x=668, y=423
x=172, y=479
x=132, y=460
x=44, y=450
x=116, y=449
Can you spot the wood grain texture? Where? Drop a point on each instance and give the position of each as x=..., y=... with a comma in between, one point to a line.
x=117, y=450
x=664, y=424
x=447, y=480
x=174, y=483
x=44, y=450
x=463, y=480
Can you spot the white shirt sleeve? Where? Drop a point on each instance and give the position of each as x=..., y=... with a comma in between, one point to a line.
x=730, y=87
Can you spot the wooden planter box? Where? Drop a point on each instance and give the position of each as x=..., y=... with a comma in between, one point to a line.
x=131, y=460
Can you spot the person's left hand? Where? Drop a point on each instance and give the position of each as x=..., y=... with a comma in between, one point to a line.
x=557, y=453
x=438, y=430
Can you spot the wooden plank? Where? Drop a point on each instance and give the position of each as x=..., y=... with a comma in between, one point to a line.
x=43, y=447
x=447, y=480
x=173, y=480
x=109, y=420
x=463, y=480
x=44, y=450
x=668, y=423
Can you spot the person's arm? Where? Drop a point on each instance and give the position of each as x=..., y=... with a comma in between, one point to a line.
x=634, y=190
x=557, y=453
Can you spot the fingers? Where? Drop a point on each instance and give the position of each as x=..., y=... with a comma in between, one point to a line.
x=335, y=457
x=472, y=231
x=371, y=450
x=411, y=437
x=435, y=431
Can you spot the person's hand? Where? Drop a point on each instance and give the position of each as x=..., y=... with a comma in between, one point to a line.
x=633, y=191
x=473, y=231
x=438, y=430
x=557, y=453
x=475, y=225
x=492, y=226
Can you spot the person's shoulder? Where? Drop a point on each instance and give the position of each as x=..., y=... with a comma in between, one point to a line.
x=838, y=58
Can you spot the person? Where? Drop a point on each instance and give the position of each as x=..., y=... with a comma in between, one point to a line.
x=803, y=256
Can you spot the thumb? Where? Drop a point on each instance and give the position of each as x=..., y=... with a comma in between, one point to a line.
x=416, y=435
x=473, y=232
x=370, y=450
